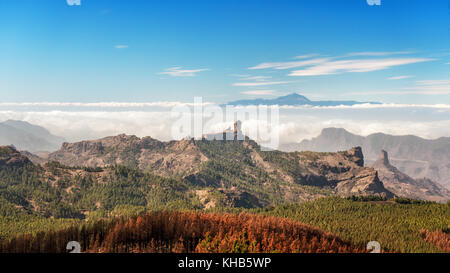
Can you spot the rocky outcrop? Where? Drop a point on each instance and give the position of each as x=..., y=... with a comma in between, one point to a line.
x=412, y=155
x=227, y=134
x=363, y=182
x=37, y=158
x=344, y=172
x=10, y=157
x=241, y=199
x=148, y=154
x=405, y=186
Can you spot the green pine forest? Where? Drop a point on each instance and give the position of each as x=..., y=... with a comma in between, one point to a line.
x=36, y=199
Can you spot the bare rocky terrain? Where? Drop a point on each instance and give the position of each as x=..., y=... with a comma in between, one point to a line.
x=405, y=186
x=148, y=154
x=417, y=157
x=237, y=169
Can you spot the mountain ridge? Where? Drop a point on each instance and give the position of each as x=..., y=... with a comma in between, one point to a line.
x=26, y=136
x=415, y=156
x=294, y=99
x=164, y=158
x=224, y=164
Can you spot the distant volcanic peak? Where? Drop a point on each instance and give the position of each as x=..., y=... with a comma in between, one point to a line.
x=297, y=97
x=294, y=99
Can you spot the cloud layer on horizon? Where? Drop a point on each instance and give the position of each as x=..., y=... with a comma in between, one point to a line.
x=295, y=124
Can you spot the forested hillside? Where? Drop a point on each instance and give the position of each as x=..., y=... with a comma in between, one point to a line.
x=38, y=201
x=398, y=225
x=166, y=232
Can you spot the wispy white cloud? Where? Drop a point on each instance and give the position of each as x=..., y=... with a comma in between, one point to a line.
x=406, y=91
x=289, y=65
x=433, y=82
x=424, y=87
x=257, y=78
x=259, y=92
x=121, y=46
x=430, y=87
x=240, y=75
x=399, y=78
x=177, y=71
x=379, y=53
x=310, y=66
x=261, y=83
x=306, y=56
x=357, y=65
x=370, y=106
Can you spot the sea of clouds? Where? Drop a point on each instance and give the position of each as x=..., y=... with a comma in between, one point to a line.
x=84, y=121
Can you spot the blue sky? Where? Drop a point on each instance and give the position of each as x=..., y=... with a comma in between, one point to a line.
x=131, y=51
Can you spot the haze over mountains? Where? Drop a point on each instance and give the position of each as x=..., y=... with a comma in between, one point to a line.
x=412, y=155
x=405, y=186
x=295, y=99
x=26, y=136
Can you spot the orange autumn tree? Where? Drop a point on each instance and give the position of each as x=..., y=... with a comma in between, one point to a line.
x=187, y=232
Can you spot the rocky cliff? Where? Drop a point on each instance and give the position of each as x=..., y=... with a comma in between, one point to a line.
x=412, y=155
x=343, y=172
x=148, y=154
x=405, y=186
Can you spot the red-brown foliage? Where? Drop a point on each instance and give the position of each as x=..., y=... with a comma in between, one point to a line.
x=187, y=232
x=438, y=238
